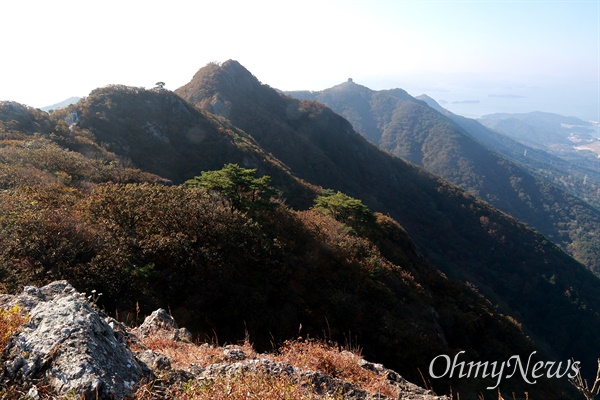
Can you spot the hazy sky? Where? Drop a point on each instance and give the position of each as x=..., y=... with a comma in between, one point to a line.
x=526, y=55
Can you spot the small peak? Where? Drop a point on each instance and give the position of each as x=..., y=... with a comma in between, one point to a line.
x=231, y=64
x=431, y=103
x=234, y=67
x=350, y=86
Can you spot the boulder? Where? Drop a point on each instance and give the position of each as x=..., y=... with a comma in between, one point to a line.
x=160, y=323
x=69, y=345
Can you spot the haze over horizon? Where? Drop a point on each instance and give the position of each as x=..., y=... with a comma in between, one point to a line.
x=473, y=57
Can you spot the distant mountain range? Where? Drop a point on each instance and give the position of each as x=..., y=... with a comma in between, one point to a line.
x=541, y=129
x=463, y=152
x=437, y=271
x=62, y=104
x=577, y=173
x=569, y=138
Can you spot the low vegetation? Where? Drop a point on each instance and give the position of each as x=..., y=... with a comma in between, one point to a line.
x=329, y=358
x=225, y=271
x=10, y=321
x=310, y=355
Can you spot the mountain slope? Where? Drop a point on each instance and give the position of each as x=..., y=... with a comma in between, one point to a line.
x=568, y=138
x=266, y=272
x=518, y=269
x=413, y=131
x=580, y=180
x=222, y=271
x=37, y=150
x=162, y=134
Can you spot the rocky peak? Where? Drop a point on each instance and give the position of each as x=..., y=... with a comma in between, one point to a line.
x=217, y=83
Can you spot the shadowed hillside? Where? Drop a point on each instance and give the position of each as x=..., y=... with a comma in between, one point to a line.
x=268, y=272
x=515, y=267
x=162, y=134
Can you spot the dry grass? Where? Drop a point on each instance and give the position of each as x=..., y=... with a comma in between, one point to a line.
x=183, y=354
x=10, y=321
x=250, y=385
x=312, y=355
x=330, y=359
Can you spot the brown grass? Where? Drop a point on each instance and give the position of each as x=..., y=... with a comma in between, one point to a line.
x=330, y=359
x=183, y=354
x=315, y=355
x=250, y=385
x=10, y=321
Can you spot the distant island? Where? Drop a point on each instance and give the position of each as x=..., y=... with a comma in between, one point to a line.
x=466, y=102
x=507, y=96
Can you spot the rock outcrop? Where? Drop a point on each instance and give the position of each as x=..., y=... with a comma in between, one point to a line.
x=160, y=323
x=74, y=349
x=69, y=345
x=323, y=384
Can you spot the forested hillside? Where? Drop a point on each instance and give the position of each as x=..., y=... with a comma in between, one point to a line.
x=273, y=218
x=580, y=179
x=509, y=263
x=455, y=150
x=223, y=270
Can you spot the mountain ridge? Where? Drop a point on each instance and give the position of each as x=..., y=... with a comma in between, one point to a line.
x=187, y=248
x=148, y=243
x=436, y=140
x=164, y=135
x=392, y=186
x=559, y=135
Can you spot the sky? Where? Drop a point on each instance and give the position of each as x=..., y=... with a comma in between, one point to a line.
x=475, y=57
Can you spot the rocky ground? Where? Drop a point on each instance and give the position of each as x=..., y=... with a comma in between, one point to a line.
x=68, y=349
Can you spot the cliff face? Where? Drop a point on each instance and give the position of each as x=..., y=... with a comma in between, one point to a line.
x=67, y=347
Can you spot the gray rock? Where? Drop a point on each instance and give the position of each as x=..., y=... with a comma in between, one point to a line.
x=235, y=354
x=407, y=390
x=157, y=321
x=227, y=369
x=69, y=346
x=74, y=348
x=323, y=384
x=160, y=323
x=156, y=361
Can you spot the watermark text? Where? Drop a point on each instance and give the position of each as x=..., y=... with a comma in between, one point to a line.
x=445, y=366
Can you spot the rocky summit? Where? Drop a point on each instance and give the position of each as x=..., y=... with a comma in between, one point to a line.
x=67, y=347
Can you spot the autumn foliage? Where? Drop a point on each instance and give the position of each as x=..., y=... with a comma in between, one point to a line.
x=71, y=209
